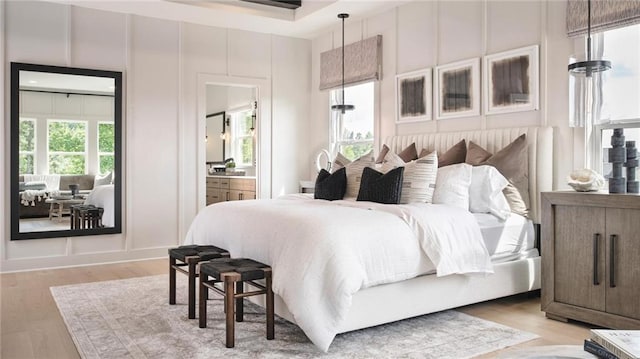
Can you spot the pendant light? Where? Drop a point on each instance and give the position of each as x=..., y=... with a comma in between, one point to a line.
x=588, y=67
x=342, y=106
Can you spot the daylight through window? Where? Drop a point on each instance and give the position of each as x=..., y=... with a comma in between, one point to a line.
x=352, y=133
x=67, y=146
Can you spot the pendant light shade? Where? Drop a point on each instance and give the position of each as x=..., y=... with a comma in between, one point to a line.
x=342, y=107
x=586, y=68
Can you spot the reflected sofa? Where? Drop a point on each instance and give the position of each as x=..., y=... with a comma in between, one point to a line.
x=41, y=209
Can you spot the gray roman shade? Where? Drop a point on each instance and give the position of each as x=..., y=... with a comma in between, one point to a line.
x=362, y=62
x=605, y=15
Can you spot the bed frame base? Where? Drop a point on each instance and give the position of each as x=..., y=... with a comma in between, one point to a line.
x=429, y=294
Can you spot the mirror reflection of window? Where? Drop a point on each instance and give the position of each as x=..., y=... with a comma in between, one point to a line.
x=106, y=146
x=243, y=144
x=27, y=146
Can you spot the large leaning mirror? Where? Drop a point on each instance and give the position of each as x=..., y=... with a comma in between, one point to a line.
x=66, y=149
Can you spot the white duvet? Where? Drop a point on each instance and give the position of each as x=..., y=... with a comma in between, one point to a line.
x=323, y=252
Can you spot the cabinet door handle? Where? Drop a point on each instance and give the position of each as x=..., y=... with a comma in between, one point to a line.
x=596, y=240
x=227, y=195
x=612, y=261
x=241, y=196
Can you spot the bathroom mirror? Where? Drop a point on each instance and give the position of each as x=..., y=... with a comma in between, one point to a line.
x=66, y=151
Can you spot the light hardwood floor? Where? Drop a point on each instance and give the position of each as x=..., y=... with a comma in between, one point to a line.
x=31, y=326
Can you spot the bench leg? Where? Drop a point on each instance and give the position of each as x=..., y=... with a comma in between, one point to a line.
x=270, y=309
x=202, y=305
x=228, y=298
x=239, y=302
x=172, y=281
x=192, y=290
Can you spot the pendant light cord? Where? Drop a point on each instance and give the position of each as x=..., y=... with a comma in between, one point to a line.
x=589, y=30
x=343, y=63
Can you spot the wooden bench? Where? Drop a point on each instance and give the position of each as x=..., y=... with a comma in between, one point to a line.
x=234, y=273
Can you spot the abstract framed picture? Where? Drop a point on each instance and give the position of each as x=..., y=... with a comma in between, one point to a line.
x=413, y=96
x=458, y=89
x=511, y=81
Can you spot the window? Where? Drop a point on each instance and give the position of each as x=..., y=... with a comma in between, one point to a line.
x=105, y=147
x=621, y=84
x=67, y=146
x=352, y=133
x=27, y=151
x=620, y=92
x=242, y=125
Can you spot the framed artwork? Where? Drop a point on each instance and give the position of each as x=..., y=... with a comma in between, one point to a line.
x=413, y=96
x=511, y=81
x=458, y=89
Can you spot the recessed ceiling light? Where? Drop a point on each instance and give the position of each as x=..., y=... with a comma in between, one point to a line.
x=33, y=81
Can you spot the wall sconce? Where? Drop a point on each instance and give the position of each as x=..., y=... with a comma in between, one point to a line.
x=253, y=118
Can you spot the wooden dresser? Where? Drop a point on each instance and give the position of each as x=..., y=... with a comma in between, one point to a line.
x=591, y=258
x=230, y=188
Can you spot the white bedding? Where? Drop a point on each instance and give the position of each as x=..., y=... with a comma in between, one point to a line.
x=507, y=240
x=103, y=196
x=323, y=252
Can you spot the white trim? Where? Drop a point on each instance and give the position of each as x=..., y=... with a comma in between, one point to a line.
x=82, y=260
x=263, y=131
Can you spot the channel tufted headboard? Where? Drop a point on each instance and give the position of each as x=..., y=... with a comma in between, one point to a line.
x=539, y=142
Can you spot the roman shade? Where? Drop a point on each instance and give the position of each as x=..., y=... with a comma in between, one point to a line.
x=605, y=15
x=362, y=62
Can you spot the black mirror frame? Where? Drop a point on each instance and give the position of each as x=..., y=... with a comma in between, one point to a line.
x=16, y=67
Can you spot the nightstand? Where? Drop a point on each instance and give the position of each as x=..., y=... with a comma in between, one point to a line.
x=590, y=250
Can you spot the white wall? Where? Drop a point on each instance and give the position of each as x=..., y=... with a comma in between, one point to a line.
x=425, y=34
x=161, y=61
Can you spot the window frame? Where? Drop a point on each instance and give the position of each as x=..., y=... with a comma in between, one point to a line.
x=34, y=152
x=98, y=152
x=85, y=154
x=593, y=134
x=236, y=139
x=336, y=118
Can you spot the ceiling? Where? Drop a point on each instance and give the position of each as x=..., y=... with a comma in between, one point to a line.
x=34, y=80
x=312, y=19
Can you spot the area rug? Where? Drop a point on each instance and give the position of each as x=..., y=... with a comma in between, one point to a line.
x=131, y=318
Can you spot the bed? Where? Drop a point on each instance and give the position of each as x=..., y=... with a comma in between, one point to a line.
x=325, y=301
x=103, y=197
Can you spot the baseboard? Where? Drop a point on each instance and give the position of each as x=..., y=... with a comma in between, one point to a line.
x=80, y=260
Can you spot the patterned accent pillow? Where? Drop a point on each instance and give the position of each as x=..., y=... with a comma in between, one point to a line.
x=381, y=187
x=331, y=186
x=420, y=176
x=339, y=162
x=354, y=173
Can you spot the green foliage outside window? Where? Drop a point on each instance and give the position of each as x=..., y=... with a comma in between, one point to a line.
x=67, y=137
x=27, y=135
x=354, y=151
x=66, y=164
x=106, y=137
x=106, y=163
x=247, y=150
x=26, y=139
x=26, y=164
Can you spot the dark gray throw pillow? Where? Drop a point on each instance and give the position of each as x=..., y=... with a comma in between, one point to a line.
x=381, y=187
x=331, y=186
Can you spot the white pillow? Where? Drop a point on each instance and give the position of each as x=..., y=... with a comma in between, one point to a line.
x=418, y=179
x=101, y=181
x=452, y=185
x=354, y=173
x=485, y=192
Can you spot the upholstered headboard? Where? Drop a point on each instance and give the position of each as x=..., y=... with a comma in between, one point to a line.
x=539, y=142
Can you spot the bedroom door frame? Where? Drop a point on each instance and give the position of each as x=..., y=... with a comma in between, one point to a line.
x=263, y=131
